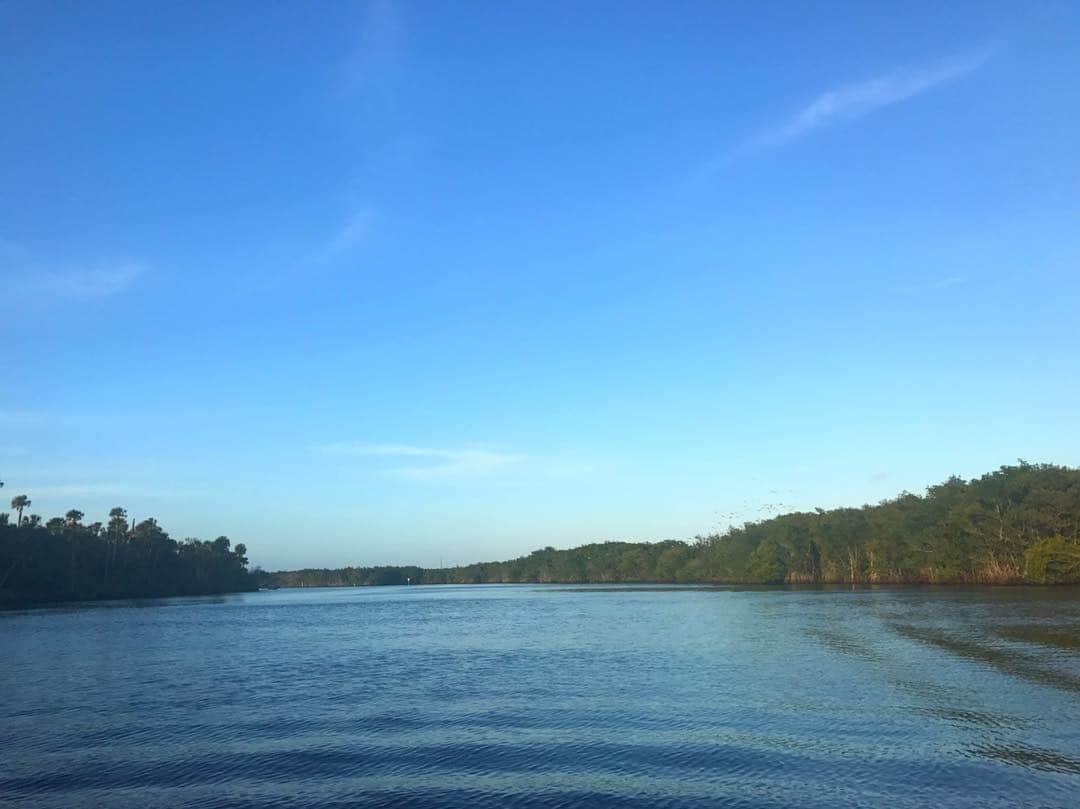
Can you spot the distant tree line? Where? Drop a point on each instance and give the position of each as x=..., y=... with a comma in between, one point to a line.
x=1020, y=524
x=65, y=559
x=346, y=577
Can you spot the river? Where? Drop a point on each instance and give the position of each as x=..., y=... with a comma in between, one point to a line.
x=547, y=696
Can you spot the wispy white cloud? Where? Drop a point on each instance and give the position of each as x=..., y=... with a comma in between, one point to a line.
x=90, y=282
x=373, y=71
x=20, y=418
x=934, y=284
x=430, y=462
x=346, y=239
x=50, y=490
x=571, y=469
x=78, y=281
x=318, y=259
x=851, y=101
x=81, y=490
x=945, y=283
x=368, y=89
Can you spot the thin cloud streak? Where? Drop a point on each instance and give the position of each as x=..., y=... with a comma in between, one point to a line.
x=318, y=259
x=374, y=70
x=81, y=490
x=945, y=283
x=348, y=237
x=119, y=491
x=853, y=101
x=84, y=281
x=95, y=282
x=934, y=285
x=442, y=463
x=21, y=418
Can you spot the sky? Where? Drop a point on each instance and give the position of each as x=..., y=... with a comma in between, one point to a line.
x=435, y=283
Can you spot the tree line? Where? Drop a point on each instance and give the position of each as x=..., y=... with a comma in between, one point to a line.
x=1019, y=524
x=66, y=559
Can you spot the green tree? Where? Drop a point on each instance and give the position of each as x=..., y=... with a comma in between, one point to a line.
x=1055, y=560
x=768, y=563
x=20, y=502
x=70, y=560
x=118, y=524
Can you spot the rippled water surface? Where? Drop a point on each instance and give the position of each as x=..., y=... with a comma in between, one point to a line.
x=547, y=696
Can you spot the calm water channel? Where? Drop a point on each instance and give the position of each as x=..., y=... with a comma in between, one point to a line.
x=547, y=696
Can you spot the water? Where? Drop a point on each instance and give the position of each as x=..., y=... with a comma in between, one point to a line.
x=547, y=696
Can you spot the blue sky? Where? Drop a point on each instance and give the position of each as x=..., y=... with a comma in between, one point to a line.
x=381, y=283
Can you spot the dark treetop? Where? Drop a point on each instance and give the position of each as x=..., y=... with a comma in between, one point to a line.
x=64, y=559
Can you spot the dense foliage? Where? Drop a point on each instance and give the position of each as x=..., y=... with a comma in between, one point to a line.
x=64, y=559
x=346, y=577
x=1018, y=524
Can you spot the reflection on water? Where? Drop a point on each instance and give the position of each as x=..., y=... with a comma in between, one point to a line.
x=548, y=696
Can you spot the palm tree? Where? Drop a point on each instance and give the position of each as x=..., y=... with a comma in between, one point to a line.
x=19, y=502
x=117, y=522
x=117, y=528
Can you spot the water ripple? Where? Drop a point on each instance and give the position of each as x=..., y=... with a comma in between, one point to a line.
x=546, y=697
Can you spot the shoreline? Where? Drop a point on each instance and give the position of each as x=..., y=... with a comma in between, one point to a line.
x=825, y=587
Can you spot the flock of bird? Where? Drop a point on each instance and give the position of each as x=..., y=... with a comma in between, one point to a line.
x=749, y=509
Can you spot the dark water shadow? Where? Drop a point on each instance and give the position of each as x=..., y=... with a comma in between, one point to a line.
x=1032, y=758
x=67, y=607
x=1057, y=637
x=846, y=644
x=1012, y=663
